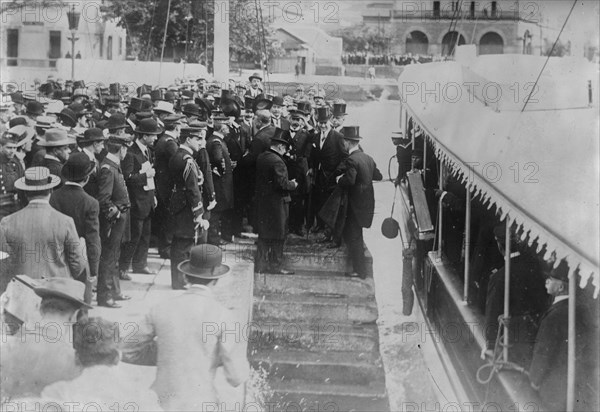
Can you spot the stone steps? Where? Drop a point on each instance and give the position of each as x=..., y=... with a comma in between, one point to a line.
x=318, y=283
x=353, y=368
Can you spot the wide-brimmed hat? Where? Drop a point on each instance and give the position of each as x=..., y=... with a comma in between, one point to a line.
x=148, y=126
x=351, y=133
x=34, y=107
x=278, y=137
x=277, y=100
x=164, y=106
x=255, y=76
x=56, y=137
x=68, y=117
x=231, y=107
x=116, y=121
x=191, y=109
x=36, y=179
x=93, y=134
x=21, y=134
x=64, y=288
x=77, y=167
x=323, y=114
x=204, y=263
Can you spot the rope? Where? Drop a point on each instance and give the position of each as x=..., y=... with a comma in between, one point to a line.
x=162, y=50
x=497, y=364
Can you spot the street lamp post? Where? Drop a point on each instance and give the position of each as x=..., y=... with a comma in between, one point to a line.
x=73, y=17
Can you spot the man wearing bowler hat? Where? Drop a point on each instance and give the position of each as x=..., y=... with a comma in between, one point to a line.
x=254, y=90
x=272, y=198
x=114, y=220
x=57, y=144
x=359, y=172
x=185, y=204
x=138, y=170
x=92, y=145
x=40, y=241
x=73, y=201
x=186, y=338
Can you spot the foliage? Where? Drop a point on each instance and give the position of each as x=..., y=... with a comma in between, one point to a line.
x=362, y=38
x=190, y=21
x=560, y=49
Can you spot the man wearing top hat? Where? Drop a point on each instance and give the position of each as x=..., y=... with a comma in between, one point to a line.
x=138, y=171
x=43, y=354
x=186, y=203
x=338, y=116
x=359, y=172
x=92, y=145
x=254, y=90
x=186, y=338
x=272, y=198
x=40, y=241
x=11, y=170
x=114, y=220
x=327, y=154
x=297, y=163
x=57, y=144
x=73, y=201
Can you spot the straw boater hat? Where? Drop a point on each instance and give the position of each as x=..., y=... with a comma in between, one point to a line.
x=204, y=263
x=21, y=134
x=56, y=137
x=64, y=288
x=37, y=179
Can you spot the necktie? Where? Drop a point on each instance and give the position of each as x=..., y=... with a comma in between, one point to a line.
x=323, y=137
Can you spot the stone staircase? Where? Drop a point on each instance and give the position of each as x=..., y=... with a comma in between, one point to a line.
x=315, y=336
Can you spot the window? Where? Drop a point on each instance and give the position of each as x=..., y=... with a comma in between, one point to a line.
x=494, y=9
x=120, y=46
x=101, y=44
x=472, y=10
x=12, y=47
x=109, y=48
x=436, y=9
x=54, y=53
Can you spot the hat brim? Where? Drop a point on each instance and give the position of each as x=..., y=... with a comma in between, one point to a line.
x=158, y=131
x=255, y=77
x=21, y=185
x=63, y=142
x=355, y=138
x=45, y=292
x=214, y=273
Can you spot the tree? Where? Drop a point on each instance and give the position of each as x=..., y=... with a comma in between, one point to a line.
x=190, y=21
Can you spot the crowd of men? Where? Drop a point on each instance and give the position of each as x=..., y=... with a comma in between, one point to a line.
x=87, y=176
x=387, y=59
x=193, y=163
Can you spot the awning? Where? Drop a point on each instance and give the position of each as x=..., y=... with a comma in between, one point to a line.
x=540, y=166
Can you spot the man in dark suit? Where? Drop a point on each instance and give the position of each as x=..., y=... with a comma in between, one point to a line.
x=359, y=172
x=272, y=206
x=264, y=132
x=165, y=148
x=254, y=89
x=185, y=206
x=92, y=144
x=73, y=201
x=114, y=220
x=277, y=119
x=139, y=172
x=296, y=161
x=548, y=369
x=327, y=154
x=222, y=173
x=57, y=144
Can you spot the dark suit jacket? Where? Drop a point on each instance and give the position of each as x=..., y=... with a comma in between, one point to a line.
x=165, y=147
x=142, y=201
x=220, y=163
x=272, y=196
x=284, y=123
x=72, y=201
x=327, y=159
x=185, y=203
x=359, y=172
x=262, y=141
x=236, y=144
x=297, y=158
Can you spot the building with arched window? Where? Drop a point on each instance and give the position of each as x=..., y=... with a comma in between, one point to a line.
x=437, y=27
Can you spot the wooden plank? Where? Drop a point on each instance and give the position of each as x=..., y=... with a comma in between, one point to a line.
x=419, y=202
